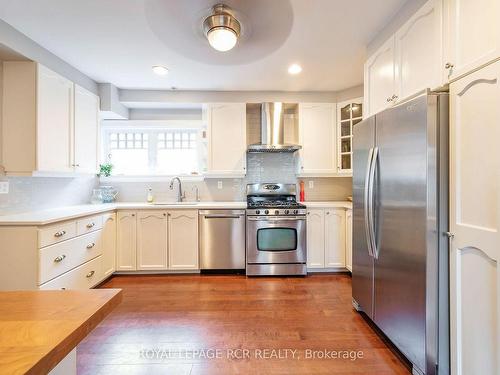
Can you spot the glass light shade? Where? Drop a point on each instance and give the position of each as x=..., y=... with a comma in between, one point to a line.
x=222, y=38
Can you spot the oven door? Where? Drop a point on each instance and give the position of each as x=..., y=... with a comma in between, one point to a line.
x=276, y=239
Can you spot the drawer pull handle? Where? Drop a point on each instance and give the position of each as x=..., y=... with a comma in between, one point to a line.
x=90, y=245
x=90, y=225
x=90, y=274
x=60, y=233
x=60, y=258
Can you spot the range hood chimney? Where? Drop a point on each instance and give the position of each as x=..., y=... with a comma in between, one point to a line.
x=272, y=133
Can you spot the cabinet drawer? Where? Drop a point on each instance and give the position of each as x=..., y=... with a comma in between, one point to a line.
x=88, y=224
x=64, y=256
x=83, y=277
x=56, y=233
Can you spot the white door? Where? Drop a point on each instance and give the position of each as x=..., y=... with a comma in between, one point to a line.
x=183, y=240
x=86, y=130
x=315, y=238
x=54, y=121
x=473, y=35
x=109, y=244
x=348, y=240
x=419, y=50
x=475, y=222
x=335, y=237
x=227, y=141
x=152, y=240
x=379, y=81
x=317, y=136
x=126, y=241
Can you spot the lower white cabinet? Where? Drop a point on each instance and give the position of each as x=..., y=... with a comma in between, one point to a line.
x=183, y=240
x=126, y=235
x=108, y=243
x=152, y=240
x=326, y=238
x=348, y=239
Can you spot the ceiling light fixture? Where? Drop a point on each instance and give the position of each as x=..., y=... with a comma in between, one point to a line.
x=160, y=70
x=222, y=28
x=294, y=69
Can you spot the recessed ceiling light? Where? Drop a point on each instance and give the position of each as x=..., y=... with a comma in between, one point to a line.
x=294, y=69
x=222, y=28
x=160, y=70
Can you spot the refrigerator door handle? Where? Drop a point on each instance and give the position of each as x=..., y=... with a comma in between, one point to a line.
x=366, y=202
x=371, y=211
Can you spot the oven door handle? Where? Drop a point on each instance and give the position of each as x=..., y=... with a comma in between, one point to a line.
x=274, y=219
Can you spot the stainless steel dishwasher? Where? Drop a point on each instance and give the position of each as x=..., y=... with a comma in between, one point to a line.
x=222, y=239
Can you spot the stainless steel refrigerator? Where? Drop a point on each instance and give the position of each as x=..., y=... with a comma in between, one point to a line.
x=400, y=208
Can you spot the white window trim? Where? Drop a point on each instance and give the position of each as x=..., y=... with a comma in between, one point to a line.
x=145, y=126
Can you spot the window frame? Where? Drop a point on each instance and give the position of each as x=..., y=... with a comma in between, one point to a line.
x=152, y=128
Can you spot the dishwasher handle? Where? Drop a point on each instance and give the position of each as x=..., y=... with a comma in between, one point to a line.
x=213, y=216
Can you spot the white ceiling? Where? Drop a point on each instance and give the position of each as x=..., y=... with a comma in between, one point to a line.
x=118, y=41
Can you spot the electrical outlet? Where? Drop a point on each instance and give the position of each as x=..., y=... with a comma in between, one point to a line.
x=4, y=187
x=219, y=184
x=311, y=184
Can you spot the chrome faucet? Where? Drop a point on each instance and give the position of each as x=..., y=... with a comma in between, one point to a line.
x=180, y=194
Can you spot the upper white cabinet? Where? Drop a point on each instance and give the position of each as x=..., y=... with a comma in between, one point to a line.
x=472, y=35
x=475, y=221
x=419, y=50
x=380, y=79
x=46, y=125
x=54, y=120
x=126, y=237
x=86, y=130
x=317, y=136
x=152, y=240
x=183, y=240
x=227, y=142
x=349, y=113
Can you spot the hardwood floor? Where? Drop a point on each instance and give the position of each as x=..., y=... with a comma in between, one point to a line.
x=166, y=324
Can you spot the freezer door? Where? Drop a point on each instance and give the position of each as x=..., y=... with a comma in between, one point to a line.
x=401, y=226
x=362, y=261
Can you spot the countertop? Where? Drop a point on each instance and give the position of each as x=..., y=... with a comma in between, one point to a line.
x=38, y=329
x=49, y=216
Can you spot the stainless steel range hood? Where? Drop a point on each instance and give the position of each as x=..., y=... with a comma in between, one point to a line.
x=272, y=134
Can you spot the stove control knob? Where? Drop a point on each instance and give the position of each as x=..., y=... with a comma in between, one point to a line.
x=287, y=212
x=257, y=212
x=266, y=212
x=295, y=212
x=277, y=212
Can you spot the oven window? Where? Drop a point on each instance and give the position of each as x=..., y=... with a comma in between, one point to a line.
x=277, y=239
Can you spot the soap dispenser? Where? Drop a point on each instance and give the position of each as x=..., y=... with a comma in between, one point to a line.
x=150, y=198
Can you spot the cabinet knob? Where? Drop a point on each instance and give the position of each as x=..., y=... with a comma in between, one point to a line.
x=90, y=245
x=164, y=214
x=90, y=225
x=90, y=274
x=328, y=212
x=60, y=258
x=133, y=214
x=449, y=234
x=389, y=100
x=60, y=233
x=75, y=165
x=448, y=65
x=394, y=97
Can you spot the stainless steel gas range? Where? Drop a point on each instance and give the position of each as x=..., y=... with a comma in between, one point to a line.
x=276, y=231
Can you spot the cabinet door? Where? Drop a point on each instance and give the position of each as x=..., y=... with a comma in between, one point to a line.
x=475, y=222
x=54, y=121
x=348, y=240
x=226, y=139
x=315, y=238
x=379, y=81
x=151, y=240
x=126, y=241
x=349, y=113
x=473, y=35
x=419, y=46
x=109, y=244
x=335, y=237
x=317, y=135
x=183, y=240
x=86, y=129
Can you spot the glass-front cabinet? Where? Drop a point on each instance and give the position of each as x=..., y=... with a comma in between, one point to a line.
x=349, y=113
